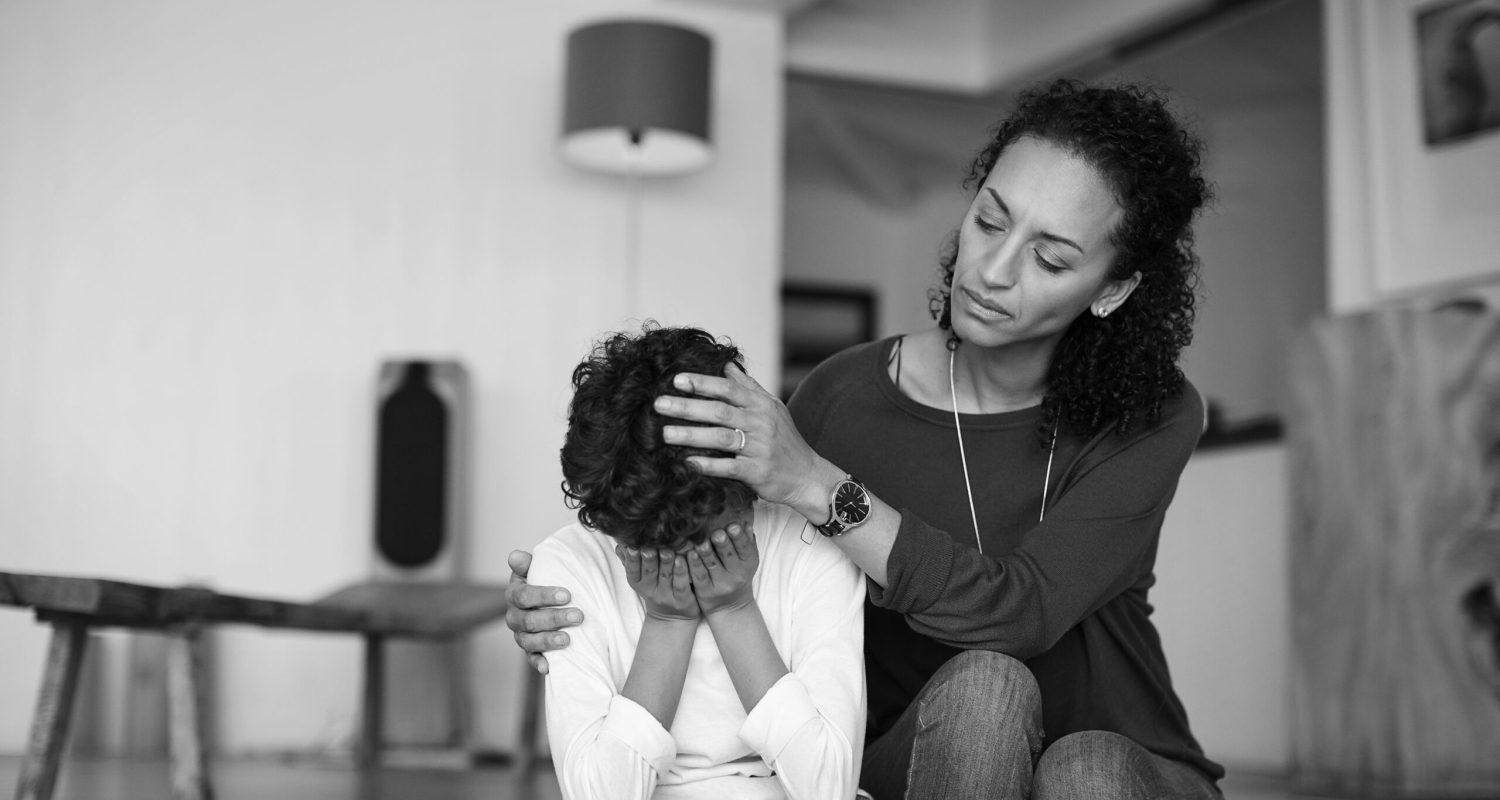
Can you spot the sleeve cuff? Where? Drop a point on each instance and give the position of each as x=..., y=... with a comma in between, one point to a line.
x=633, y=726
x=784, y=709
x=919, y=566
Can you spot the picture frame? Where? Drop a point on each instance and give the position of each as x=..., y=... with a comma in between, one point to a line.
x=1458, y=64
x=1434, y=201
x=818, y=321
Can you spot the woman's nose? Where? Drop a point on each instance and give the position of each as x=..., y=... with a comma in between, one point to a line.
x=1001, y=265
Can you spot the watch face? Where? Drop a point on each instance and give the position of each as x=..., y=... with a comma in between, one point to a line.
x=850, y=504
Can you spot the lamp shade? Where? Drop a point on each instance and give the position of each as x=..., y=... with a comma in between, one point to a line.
x=637, y=98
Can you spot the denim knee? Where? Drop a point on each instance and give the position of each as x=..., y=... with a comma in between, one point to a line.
x=987, y=693
x=1093, y=764
x=978, y=729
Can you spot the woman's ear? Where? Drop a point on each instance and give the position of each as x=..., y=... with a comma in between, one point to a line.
x=1114, y=294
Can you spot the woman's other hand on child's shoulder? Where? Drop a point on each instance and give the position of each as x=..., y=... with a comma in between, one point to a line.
x=534, y=613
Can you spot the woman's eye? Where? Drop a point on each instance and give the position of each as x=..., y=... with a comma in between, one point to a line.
x=986, y=225
x=1050, y=266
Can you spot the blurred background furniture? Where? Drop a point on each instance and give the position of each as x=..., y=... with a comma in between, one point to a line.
x=379, y=611
x=1395, y=553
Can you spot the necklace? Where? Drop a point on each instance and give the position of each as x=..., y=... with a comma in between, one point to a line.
x=957, y=429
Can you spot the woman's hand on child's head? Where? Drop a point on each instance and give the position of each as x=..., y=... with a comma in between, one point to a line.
x=721, y=568
x=661, y=578
x=760, y=445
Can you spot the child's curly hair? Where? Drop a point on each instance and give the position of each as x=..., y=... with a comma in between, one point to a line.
x=617, y=471
x=1118, y=369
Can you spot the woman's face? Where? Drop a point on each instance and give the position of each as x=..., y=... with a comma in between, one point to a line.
x=1034, y=250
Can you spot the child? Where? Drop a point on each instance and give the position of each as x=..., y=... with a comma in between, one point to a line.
x=724, y=668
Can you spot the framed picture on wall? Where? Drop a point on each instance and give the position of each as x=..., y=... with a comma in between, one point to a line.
x=1433, y=159
x=818, y=321
x=1458, y=59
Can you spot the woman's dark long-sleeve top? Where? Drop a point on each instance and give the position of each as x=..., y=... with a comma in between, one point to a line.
x=1066, y=595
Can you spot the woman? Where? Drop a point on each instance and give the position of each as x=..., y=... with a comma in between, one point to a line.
x=1002, y=478
x=676, y=684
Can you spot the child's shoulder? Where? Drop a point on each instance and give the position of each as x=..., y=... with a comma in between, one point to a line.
x=786, y=537
x=572, y=551
x=774, y=523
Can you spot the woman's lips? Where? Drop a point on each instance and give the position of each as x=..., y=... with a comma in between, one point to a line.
x=983, y=307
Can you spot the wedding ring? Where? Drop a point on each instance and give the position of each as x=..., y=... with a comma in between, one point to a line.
x=741, y=445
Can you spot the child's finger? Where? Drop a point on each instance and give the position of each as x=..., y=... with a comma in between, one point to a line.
x=725, y=546
x=709, y=554
x=649, y=566
x=682, y=584
x=668, y=566
x=697, y=570
x=743, y=539
x=632, y=562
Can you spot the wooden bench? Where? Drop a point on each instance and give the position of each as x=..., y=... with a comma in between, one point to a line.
x=376, y=610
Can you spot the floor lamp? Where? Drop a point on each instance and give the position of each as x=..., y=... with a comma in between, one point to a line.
x=637, y=105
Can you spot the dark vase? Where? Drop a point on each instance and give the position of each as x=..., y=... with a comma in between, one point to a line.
x=411, y=471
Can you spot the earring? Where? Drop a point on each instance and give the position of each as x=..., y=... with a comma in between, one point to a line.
x=1101, y=312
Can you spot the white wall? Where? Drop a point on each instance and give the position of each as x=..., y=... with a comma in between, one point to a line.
x=873, y=190
x=1221, y=600
x=1263, y=243
x=217, y=219
x=893, y=250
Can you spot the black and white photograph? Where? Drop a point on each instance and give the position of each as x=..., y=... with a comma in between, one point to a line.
x=750, y=399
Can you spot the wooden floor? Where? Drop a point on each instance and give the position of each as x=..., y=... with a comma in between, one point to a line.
x=122, y=779
x=125, y=779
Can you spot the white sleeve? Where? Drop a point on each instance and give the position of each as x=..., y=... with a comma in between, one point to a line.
x=603, y=744
x=810, y=725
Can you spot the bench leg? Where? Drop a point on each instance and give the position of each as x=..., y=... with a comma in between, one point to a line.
x=54, y=710
x=531, y=713
x=372, y=717
x=186, y=713
x=460, y=702
x=456, y=677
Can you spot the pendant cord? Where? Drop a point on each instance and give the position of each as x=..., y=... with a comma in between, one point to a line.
x=953, y=393
x=959, y=431
x=1047, y=480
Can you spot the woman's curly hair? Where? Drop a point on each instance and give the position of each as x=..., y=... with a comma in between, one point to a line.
x=1123, y=367
x=622, y=477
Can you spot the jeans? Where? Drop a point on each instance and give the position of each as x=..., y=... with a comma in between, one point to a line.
x=975, y=732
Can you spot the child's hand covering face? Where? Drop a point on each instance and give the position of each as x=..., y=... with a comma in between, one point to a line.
x=721, y=568
x=661, y=578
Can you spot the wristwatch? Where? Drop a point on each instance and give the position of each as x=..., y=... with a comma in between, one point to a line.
x=848, y=507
